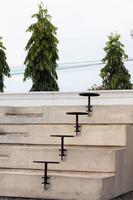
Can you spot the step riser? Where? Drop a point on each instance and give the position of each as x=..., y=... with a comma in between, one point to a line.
x=94, y=160
x=57, y=114
x=113, y=135
x=30, y=186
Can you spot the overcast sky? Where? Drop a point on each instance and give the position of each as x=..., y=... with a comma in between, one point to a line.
x=83, y=27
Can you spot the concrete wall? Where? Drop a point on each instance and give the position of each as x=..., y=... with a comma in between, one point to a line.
x=114, y=97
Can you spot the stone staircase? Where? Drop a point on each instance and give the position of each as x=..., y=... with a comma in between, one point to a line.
x=99, y=162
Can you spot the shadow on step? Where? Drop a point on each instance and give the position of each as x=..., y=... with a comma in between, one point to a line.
x=127, y=196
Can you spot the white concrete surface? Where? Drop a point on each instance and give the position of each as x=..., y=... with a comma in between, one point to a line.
x=99, y=165
x=91, y=135
x=113, y=114
x=92, y=159
x=69, y=186
x=111, y=97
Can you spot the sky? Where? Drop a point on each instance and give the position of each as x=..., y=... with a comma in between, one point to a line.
x=83, y=27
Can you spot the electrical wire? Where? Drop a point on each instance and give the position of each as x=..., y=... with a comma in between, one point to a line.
x=21, y=71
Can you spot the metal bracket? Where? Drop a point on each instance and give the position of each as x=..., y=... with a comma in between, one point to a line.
x=62, y=150
x=89, y=95
x=45, y=177
x=77, y=126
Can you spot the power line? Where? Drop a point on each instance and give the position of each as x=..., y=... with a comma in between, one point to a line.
x=58, y=69
x=88, y=61
x=87, y=65
x=79, y=66
x=78, y=62
x=19, y=72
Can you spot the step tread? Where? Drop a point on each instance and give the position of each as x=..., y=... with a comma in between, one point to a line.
x=95, y=175
x=54, y=147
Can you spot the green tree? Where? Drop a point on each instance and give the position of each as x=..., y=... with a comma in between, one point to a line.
x=42, y=53
x=4, y=68
x=114, y=74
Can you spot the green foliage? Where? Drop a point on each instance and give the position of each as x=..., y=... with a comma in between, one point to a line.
x=4, y=68
x=114, y=74
x=42, y=53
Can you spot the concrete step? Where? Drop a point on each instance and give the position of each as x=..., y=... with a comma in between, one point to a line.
x=88, y=186
x=57, y=114
x=99, y=162
x=106, y=135
x=93, y=159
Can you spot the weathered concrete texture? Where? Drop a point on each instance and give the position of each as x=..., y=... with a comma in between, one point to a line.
x=104, y=135
x=64, y=186
x=57, y=114
x=92, y=159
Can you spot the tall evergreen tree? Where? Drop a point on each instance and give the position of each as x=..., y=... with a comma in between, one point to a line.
x=42, y=53
x=4, y=68
x=115, y=76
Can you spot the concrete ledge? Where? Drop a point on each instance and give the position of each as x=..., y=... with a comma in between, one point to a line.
x=29, y=185
x=97, y=135
x=57, y=115
x=107, y=97
x=90, y=159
